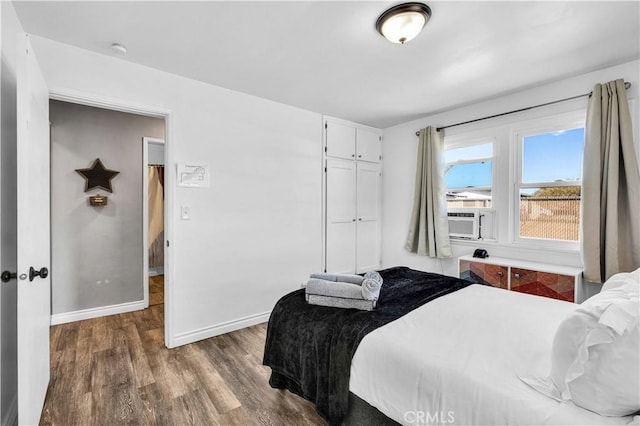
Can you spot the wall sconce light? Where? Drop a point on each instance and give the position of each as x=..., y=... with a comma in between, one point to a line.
x=403, y=22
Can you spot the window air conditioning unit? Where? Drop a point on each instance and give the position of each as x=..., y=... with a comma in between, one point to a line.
x=464, y=225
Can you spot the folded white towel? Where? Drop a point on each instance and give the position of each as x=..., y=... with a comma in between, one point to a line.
x=371, y=285
x=345, y=278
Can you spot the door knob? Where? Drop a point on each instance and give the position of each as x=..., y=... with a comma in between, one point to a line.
x=42, y=273
x=8, y=276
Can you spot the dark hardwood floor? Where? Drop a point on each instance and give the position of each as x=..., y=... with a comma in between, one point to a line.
x=116, y=370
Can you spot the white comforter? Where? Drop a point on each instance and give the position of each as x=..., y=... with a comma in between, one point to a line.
x=457, y=359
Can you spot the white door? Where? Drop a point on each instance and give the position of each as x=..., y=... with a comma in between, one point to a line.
x=368, y=210
x=341, y=140
x=369, y=145
x=33, y=235
x=341, y=216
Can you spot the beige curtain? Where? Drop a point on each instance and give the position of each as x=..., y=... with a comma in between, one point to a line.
x=156, y=218
x=156, y=253
x=610, y=186
x=429, y=227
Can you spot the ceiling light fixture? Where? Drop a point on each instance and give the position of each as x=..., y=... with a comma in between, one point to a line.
x=119, y=48
x=403, y=22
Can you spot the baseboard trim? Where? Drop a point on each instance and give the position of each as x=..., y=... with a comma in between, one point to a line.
x=101, y=311
x=215, y=330
x=11, y=414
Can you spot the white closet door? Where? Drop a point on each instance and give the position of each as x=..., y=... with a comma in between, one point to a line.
x=368, y=209
x=341, y=140
x=369, y=145
x=341, y=216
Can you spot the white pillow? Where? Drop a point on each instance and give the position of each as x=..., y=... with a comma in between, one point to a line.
x=596, y=352
x=622, y=279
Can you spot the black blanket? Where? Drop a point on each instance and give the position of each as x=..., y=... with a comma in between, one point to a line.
x=309, y=348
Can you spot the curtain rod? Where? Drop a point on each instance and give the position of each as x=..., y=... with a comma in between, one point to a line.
x=627, y=85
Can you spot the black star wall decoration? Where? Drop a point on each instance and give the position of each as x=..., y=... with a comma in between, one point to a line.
x=97, y=176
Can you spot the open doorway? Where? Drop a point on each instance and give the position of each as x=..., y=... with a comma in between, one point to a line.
x=153, y=219
x=98, y=266
x=165, y=115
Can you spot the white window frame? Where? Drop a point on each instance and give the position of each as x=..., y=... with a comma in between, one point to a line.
x=555, y=123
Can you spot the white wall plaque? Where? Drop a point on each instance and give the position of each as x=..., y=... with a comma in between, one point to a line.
x=195, y=176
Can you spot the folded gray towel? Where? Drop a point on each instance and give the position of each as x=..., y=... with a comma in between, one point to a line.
x=345, y=278
x=343, y=290
x=371, y=285
x=337, y=302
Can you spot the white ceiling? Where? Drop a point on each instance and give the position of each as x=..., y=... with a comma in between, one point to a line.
x=326, y=56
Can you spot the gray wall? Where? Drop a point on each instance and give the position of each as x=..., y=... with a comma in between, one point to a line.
x=96, y=251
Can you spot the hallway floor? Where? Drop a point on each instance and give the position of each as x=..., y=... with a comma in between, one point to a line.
x=156, y=290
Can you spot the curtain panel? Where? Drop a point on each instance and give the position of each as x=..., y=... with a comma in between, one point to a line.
x=156, y=216
x=429, y=226
x=610, y=186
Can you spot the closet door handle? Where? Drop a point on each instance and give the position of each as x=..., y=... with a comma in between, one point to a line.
x=360, y=219
x=8, y=276
x=359, y=156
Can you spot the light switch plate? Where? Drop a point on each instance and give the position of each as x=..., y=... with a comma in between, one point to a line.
x=185, y=213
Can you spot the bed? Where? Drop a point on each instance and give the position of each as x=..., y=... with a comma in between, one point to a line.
x=419, y=359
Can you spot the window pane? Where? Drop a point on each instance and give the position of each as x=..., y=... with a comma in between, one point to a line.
x=550, y=157
x=472, y=152
x=469, y=175
x=478, y=198
x=550, y=213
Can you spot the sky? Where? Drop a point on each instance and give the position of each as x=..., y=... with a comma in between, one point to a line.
x=553, y=156
x=547, y=157
x=469, y=175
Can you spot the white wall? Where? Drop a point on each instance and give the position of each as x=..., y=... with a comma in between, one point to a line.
x=96, y=252
x=399, y=162
x=255, y=233
x=8, y=216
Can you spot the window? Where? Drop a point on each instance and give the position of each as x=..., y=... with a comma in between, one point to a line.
x=517, y=183
x=469, y=175
x=548, y=185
